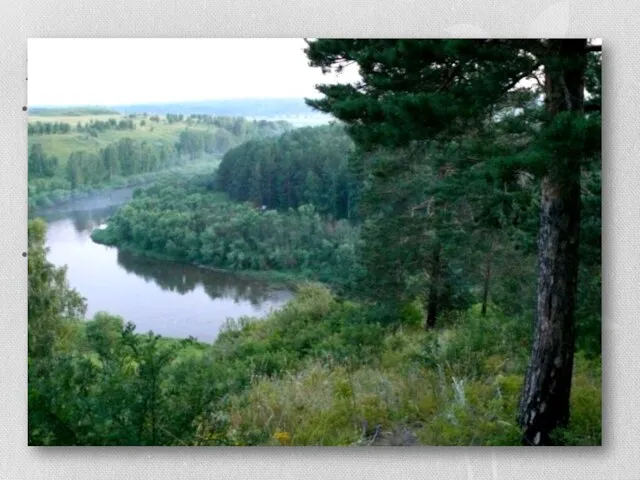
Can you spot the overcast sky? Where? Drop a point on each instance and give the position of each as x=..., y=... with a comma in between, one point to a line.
x=125, y=71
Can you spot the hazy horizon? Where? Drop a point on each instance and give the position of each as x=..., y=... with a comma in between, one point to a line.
x=172, y=102
x=132, y=71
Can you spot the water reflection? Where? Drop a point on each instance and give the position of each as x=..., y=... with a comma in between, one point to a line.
x=82, y=220
x=181, y=278
x=169, y=298
x=86, y=221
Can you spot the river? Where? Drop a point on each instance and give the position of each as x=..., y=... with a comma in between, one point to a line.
x=171, y=299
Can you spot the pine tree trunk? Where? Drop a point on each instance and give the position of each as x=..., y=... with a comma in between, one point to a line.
x=487, y=281
x=544, y=404
x=432, y=304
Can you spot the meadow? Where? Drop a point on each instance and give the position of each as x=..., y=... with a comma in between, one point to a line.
x=62, y=145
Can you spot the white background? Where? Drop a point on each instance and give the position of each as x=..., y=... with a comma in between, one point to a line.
x=615, y=21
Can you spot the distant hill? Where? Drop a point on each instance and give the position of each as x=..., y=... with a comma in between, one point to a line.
x=246, y=107
x=71, y=111
x=292, y=110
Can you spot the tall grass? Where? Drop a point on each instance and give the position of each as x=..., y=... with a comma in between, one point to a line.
x=331, y=383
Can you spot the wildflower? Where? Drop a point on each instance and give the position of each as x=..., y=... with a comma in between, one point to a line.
x=283, y=437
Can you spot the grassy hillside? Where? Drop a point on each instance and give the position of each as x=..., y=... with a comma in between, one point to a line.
x=320, y=371
x=110, y=151
x=323, y=372
x=62, y=145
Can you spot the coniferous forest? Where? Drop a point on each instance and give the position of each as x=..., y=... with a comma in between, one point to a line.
x=441, y=235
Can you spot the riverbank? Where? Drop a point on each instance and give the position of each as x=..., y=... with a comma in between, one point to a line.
x=274, y=280
x=171, y=299
x=45, y=202
x=103, y=198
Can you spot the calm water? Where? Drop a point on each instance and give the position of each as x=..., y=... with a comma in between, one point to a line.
x=171, y=299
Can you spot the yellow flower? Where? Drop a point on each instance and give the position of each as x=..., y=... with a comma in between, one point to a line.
x=283, y=437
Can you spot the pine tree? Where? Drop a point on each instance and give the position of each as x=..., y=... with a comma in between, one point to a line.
x=417, y=91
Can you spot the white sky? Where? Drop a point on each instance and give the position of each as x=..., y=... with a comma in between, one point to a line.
x=125, y=71
x=113, y=71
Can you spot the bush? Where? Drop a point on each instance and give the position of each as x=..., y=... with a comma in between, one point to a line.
x=320, y=371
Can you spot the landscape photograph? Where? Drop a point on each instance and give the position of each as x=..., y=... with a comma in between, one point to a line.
x=314, y=242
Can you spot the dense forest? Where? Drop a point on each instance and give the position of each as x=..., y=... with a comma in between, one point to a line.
x=444, y=239
x=304, y=166
x=186, y=220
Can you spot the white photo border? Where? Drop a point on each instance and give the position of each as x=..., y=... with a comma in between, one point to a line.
x=614, y=22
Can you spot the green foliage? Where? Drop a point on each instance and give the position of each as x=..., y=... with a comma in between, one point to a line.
x=51, y=302
x=417, y=89
x=445, y=179
x=320, y=371
x=182, y=219
x=456, y=387
x=125, y=158
x=52, y=310
x=448, y=109
x=412, y=314
x=48, y=128
x=448, y=155
x=40, y=164
x=103, y=152
x=304, y=166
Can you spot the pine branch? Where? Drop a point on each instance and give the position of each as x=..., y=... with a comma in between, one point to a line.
x=538, y=81
x=427, y=203
x=453, y=70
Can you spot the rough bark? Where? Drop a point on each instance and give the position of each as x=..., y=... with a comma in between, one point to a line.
x=432, y=305
x=544, y=404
